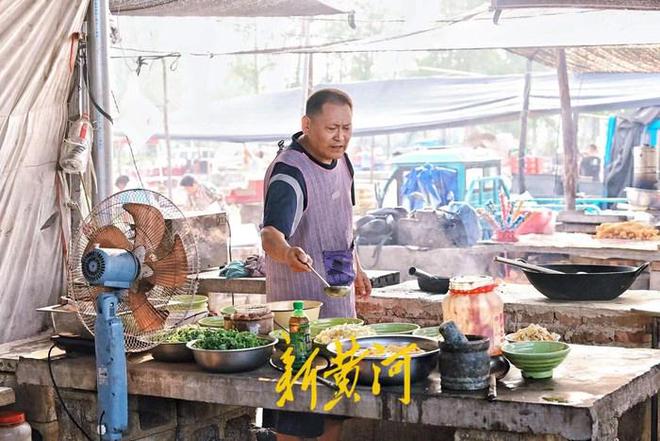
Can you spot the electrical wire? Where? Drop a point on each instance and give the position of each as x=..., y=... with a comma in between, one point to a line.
x=101, y=425
x=59, y=396
x=130, y=146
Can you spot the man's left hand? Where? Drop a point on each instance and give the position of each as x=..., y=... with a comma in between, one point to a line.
x=362, y=284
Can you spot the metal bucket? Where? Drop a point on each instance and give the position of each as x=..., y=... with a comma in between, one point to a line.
x=644, y=167
x=465, y=366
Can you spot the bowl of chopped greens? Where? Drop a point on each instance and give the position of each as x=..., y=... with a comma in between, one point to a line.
x=222, y=350
x=173, y=346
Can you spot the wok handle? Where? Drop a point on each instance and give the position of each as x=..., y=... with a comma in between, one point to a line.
x=641, y=268
x=525, y=265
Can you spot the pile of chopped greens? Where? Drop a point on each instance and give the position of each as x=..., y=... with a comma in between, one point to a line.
x=222, y=339
x=185, y=334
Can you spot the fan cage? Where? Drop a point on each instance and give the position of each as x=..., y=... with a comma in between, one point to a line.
x=111, y=212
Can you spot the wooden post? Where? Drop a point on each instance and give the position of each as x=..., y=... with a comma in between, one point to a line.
x=524, y=114
x=568, y=133
x=166, y=127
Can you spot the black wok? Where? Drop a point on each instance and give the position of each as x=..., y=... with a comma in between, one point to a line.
x=599, y=282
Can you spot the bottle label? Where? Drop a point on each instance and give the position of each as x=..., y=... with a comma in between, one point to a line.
x=301, y=343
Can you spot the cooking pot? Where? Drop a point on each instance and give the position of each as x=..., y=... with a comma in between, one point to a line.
x=584, y=282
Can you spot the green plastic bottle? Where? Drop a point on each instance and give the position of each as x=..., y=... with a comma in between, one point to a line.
x=301, y=341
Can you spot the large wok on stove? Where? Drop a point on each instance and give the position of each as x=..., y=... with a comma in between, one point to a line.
x=580, y=282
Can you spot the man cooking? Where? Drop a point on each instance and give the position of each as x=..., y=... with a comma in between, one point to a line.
x=308, y=215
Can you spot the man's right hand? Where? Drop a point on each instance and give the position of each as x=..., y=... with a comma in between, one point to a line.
x=298, y=260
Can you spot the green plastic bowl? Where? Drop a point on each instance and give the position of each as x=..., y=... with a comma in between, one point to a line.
x=536, y=359
x=319, y=325
x=228, y=310
x=279, y=334
x=430, y=332
x=212, y=322
x=394, y=328
x=188, y=303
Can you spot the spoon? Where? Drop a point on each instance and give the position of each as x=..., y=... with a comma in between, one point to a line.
x=331, y=291
x=527, y=266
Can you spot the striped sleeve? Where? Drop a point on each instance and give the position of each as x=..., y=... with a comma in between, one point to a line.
x=352, y=172
x=286, y=199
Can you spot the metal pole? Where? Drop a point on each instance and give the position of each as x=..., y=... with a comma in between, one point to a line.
x=307, y=77
x=166, y=129
x=99, y=85
x=567, y=124
x=524, y=115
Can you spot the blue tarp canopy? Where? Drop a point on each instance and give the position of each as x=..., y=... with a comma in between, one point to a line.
x=403, y=105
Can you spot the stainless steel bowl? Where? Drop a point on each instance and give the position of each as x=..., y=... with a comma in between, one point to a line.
x=172, y=352
x=642, y=198
x=421, y=365
x=234, y=360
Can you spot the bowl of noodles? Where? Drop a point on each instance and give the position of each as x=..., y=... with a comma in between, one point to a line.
x=373, y=350
x=532, y=332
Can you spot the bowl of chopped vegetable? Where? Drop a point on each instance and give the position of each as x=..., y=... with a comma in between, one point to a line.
x=372, y=351
x=173, y=347
x=532, y=332
x=221, y=350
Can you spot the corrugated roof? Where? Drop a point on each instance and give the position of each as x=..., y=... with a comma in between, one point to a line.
x=221, y=8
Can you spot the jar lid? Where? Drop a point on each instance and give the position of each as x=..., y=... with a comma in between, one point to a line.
x=471, y=284
x=11, y=417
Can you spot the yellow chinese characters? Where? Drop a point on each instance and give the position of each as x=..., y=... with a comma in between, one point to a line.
x=345, y=369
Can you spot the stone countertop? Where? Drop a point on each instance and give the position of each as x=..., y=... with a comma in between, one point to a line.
x=510, y=293
x=629, y=320
x=590, y=390
x=581, y=244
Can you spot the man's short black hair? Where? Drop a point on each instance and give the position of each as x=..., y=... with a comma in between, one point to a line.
x=315, y=102
x=187, y=181
x=123, y=179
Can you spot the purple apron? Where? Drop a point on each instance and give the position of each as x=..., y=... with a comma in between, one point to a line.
x=324, y=231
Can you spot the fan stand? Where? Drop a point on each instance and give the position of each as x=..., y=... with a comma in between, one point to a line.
x=111, y=376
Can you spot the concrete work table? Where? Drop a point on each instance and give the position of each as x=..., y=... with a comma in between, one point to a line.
x=626, y=321
x=581, y=244
x=589, y=392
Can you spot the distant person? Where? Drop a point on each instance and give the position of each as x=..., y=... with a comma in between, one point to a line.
x=590, y=163
x=201, y=197
x=121, y=182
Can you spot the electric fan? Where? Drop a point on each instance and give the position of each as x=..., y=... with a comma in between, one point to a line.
x=131, y=257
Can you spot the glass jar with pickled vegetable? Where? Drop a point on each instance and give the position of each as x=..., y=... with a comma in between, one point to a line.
x=476, y=308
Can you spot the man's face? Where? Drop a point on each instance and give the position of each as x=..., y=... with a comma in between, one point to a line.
x=328, y=132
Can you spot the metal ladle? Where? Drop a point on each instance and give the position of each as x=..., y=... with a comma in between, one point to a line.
x=331, y=291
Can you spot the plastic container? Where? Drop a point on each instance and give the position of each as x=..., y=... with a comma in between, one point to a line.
x=257, y=319
x=476, y=308
x=299, y=333
x=13, y=427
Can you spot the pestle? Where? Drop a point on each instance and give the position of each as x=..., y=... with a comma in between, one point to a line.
x=419, y=273
x=452, y=334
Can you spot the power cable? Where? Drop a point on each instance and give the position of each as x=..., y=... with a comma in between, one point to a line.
x=59, y=396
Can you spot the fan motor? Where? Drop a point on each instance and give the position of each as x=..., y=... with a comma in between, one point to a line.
x=110, y=267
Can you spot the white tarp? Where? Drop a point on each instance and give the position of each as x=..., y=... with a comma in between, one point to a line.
x=35, y=72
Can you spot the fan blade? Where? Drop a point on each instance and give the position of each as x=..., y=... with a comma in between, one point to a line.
x=149, y=225
x=147, y=317
x=171, y=271
x=108, y=237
